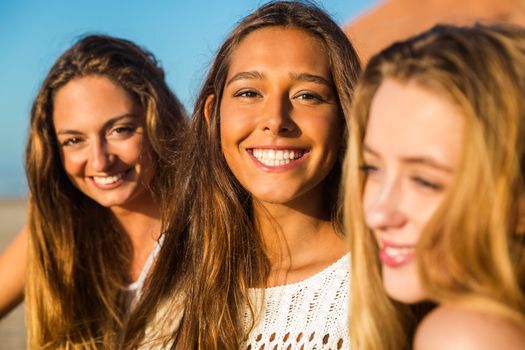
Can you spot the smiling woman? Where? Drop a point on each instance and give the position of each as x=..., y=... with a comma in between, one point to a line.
x=103, y=128
x=264, y=263
x=102, y=143
x=280, y=148
x=406, y=181
x=437, y=146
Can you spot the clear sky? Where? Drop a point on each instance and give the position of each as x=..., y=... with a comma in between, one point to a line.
x=183, y=35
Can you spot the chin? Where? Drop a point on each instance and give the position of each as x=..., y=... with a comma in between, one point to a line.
x=111, y=199
x=272, y=196
x=405, y=296
x=402, y=285
x=108, y=203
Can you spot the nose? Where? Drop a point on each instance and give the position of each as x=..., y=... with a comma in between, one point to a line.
x=101, y=157
x=277, y=116
x=383, y=206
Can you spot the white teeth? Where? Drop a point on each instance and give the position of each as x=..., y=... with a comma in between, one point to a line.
x=395, y=252
x=107, y=180
x=279, y=157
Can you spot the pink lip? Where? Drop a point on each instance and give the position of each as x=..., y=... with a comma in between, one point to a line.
x=278, y=168
x=399, y=258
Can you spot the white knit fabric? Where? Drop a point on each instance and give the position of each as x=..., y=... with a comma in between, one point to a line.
x=311, y=314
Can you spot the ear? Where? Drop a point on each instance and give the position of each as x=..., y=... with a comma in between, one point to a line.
x=208, y=104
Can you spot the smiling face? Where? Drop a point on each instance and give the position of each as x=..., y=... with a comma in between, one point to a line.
x=100, y=132
x=279, y=116
x=412, y=147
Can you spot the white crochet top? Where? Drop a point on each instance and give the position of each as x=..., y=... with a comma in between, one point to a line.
x=310, y=314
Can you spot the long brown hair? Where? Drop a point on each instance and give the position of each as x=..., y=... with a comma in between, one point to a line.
x=213, y=251
x=474, y=234
x=78, y=258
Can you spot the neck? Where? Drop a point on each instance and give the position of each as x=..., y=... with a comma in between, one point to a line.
x=141, y=223
x=298, y=242
x=285, y=230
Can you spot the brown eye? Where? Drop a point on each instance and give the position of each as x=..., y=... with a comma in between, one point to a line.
x=247, y=94
x=70, y=141
x=123, y=130
x=309, y=96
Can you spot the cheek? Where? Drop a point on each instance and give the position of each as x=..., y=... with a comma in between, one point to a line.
x=368, y=198
x=325, y=130
x=148, y=164
x=423, y=208
x=227, y=137
x=235, y=124
x=73, y=163
x=326, y=126
x=132, y=151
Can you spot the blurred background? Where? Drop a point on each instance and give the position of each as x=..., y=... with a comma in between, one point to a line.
x=183, y=35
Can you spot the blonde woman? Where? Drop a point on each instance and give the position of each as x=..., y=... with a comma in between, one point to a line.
x=435, y=166
x=102, y=129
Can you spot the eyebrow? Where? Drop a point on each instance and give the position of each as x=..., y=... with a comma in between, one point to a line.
x=107, y=124
x=427, y=161
x=312, y=78
x=253, y=75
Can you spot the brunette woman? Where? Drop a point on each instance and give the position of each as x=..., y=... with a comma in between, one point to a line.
x=265, y=264
x=104, y=127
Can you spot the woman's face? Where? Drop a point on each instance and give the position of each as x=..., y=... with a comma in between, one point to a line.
x=102, y=143
x=412, y=148
x=279, y=116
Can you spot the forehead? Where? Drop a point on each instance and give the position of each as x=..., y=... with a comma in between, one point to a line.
x=410, y=120
x=280, y=48
x=87, y=100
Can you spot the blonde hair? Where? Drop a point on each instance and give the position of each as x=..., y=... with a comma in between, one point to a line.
x=78, y=257
x=474, y=234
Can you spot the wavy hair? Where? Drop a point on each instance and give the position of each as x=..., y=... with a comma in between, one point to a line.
x=224, y=253
x=474, y=234
x=78, y=258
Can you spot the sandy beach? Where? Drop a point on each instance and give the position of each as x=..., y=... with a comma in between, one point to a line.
x=12, y=218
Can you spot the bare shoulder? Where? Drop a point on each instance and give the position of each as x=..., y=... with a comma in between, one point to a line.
x=13, y=263
x=456, y=328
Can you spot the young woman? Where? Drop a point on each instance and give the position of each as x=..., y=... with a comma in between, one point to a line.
x=265, y=264
x=438, y=143
x=103, y=126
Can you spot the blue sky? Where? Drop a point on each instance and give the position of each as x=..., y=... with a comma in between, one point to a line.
x=183, y=35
